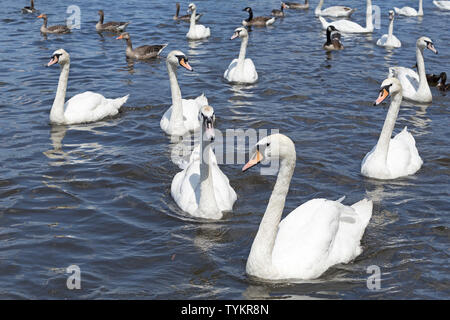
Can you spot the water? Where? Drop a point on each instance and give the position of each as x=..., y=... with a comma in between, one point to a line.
x=98, y=195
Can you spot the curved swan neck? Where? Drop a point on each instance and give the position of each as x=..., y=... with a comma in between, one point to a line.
x=391, y=28
x=57, y=111
x=193, y=15
x=421, y=69
x=207, y=202
x=369, y=23
x=176, y=118
x=242, y=52
x=319, y=8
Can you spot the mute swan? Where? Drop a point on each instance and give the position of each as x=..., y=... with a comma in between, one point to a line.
x=182, y=116
x=84, y=107
x=196, y=31
x=335, y=11
x=296, y=5
x=317, y=235
x=241, y=70
x=333, y=42
x=396, y=157
x=202, y=189
x=347, y=26
x=52, y=29
x=442, y=86
x=29, y=9
x=142, y=52
x=389, y=40
x=279, y=13
x=444, y=5
x=256, y=21
x=415, y=86
x=111, y=26
x=410, y=12
x=186, y=17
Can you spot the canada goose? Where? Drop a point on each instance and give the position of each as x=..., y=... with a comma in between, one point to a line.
x=333, y=40
x=257, y=21
x=279, y=13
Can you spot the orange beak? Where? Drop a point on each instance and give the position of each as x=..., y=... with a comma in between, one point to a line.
x=186, y=65
x=119, y=37
x=257, y=157
x=383, y=95
x=40, y=16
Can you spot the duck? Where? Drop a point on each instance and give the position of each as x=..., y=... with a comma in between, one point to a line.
x=196, y=31
x=279, y=13
x=29, y=9
x=186, y=17
x=389, y=40
x=334, y=11
x=396, y=157
x=202, y=189
x=241, y=70
x=142, y=52
x=315, y=236
x=333, y=41
x=81, y=108
x=256, y=21
x=432, y=79
x=442, y=86
x=182, y=116
x=111, y=26
x=410, y=12
x=443, y=5
x=347, y=26
x=296, y=5
x=414, y=84
x=52, y=29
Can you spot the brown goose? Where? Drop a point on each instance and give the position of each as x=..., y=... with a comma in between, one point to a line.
x=186, y=17
x=52, y=29
x=256, y=21
x=442, y=86
x=333, y=40
x=432, y=79
x=111, y=26
x=296, y=5
x=142, y=52
x=279, y=13
x=29, y=9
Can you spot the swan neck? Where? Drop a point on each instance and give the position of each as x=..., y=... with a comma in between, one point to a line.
x=369, y=22
x=242, y=52
x=193, y=14
x=420, y=12
x=319, y=8
x=176, y=118
x=421, y=68
x=57, y=111
x=391, y=28
x=207, y=201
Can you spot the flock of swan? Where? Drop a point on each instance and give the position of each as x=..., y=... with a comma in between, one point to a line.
x=319, y=233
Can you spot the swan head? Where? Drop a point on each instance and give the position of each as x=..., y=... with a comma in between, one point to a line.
x=274, y=147
x=389, y=87
x=391, y=14
x=176, y=57
x=124, y=35
x=191, y=7
x=207, y=118
x=59, y=56
x=240, y=32
x=425, y=42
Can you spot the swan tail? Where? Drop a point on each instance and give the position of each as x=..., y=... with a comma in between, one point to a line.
x=201, y=100
x=364, y=210
x=123, y=26
x=270, y=21
x=163, y=47
x=341, y=199
x=323, y=21
x=396, y=10
x=117, y=103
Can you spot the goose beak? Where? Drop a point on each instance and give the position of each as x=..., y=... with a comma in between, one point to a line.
x=40, y=16
x=52, y=61
x=432, y=48
x=119, y=37
x=257, y=157
x=384, y=93
x=185, y=65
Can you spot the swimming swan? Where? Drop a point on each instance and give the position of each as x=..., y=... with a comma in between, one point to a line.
x=347, y=26
x=389, y=40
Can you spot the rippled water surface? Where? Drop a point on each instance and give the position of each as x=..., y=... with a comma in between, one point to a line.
x=98, y=195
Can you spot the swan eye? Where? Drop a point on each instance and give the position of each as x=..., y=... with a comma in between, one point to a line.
x=268, y=144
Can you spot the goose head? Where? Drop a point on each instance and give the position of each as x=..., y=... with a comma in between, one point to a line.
x=248, y=9
x=42, y=16
x=191, y=7
x=389, y=87
x=240, y=32
x=425, y=42
x=124, y=35
x=101, y=13
x=207, y=118
x=284, y=6
x=331, y=28
x=60, y=56
x=391, y=14
x=176, y=57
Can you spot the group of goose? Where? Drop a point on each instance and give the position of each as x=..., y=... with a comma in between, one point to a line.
x=319, y=233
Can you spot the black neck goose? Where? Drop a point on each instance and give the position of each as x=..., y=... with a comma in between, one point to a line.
x=142, y=52
x=333, y=39
x=29, y=9
x=432, y=79
x=186, y=17
x=111, y=26
x=279, y=13
x=257, y=21
x=52, y=29
x=296, y=5
x=442, y=86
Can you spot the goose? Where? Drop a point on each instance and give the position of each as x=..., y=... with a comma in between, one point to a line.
x=279, y=13
x=241, y=70
x=410, y=12
x=296, y=5
x=415, y=86
x=184, y=117
x=186, y=17
x=202, y=189
x=29, y=9
x=333, y=42
x=334, y=11
x=396, y=157
x=347, y=26
x=81, y=108
x=432, y=79
x=444, y=5
x=389, y=40
x=52, y=29
x=442, y=86
x=315, y=236
x=142, y=52
x=196, y=31
x=111, y=26
x=256, y=21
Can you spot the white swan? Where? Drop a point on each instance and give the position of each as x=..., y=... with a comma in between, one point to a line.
x=415, y=86
x=334, y=11
x=241, y=70
x=347, y=26
x=444, y=5
x=389, y=40
x=196, y=31
x=84, y=107
x=410, y=12
x=396, y=157
x=317, y=235
x=202, y=189
x=182, y=116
